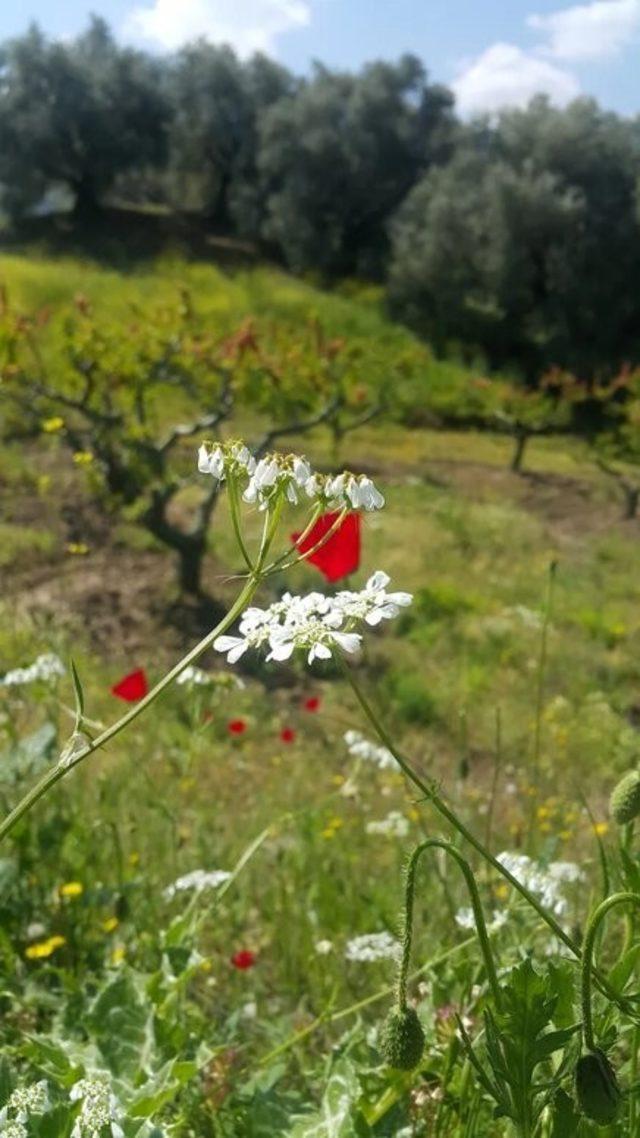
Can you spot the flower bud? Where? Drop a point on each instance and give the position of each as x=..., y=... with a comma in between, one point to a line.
x=402, y=1040
x=597, y=1088
x=624, y=803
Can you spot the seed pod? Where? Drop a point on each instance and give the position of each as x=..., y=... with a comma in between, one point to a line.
x=597, y=1088
x=402, y=1040
x=624, y=803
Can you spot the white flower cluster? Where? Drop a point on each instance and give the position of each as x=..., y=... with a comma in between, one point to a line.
x=395, y=825
x=22, y=1103
x=46, y=667
x=323, y=947
x=316, y=623
x=194, y=677
x=465, y=919
x=289, y=476
x=372, y=947
x=363, y=748
x=546, y=881
x=198, y=879
x=99, y=1109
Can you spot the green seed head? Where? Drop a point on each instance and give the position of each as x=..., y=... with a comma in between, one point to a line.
x=597, y=1088
x=402, y=1041
x=624, y=803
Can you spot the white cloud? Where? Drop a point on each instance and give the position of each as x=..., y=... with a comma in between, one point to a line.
x=589, y=31
x=248, y=25
x=506, y=76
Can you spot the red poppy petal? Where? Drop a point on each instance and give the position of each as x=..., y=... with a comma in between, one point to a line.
x=312, y=703
x=243, y=959
x=340, y=554
x=132, y=687
x=236, y=727
x=287, y=735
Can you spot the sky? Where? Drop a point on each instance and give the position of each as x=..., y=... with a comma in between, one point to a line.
x=493, y=53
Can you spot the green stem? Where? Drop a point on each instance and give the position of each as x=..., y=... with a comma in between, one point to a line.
x=586, y=976
x=431, y=795
x=481, y=928
x=234, y=509
x=66, y=764
x=314, y=548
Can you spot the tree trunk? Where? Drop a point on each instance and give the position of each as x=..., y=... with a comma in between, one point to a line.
x=190, y=559
x=522, y=439
x=86, y=205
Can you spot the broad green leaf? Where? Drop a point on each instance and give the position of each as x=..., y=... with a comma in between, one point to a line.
x=337, y=1117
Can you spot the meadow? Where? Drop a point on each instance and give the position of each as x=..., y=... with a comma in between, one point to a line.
x=201, y=922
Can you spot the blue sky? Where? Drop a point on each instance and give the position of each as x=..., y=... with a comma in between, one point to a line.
x=493, y=52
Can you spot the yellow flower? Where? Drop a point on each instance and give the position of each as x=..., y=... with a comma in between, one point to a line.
x=77, y=547
x=83, y=458
x=43, y=948
x=564, y=835
x=501, y=892
x=338, y=779
x=134, y=858
x=71, y=889
x=52, y=425
x=110, y=924
x=413, y=814
x=118, y=954
x=601, y=828
x=43, y=483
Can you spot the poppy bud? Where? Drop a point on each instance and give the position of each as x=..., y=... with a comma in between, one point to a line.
x=402, y=1040
x=624, y=803
x=597, y=1088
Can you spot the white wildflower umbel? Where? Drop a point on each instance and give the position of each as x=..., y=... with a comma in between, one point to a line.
x=372, y=947
x=286, y=476
x=316, y=624
x=47, y=667
x=198, y=879
x=28, y=1100
x=99, y=1108
x=193, y=676
x=395, y=825
x=362, y=748
x=548, y=882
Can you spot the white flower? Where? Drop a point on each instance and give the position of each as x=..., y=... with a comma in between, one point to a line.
x=395, y=825
x=362, y=748
x=198, y=879
x=46, y=667
x=372, y=947
x=99, y=1108
x=323, y=947
x=316, y=623
x=545, y=881
x=29, y=1100
x=193, y=676
x=13, y=1130
x=222, y=460
x=466, y=920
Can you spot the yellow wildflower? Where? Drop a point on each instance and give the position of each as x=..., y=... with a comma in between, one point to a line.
x=43, y=483
x=83, y=458
x=78, y=548
x=338, y=779
x=134, y=858
x=43, y=948
x=71, y=889
x=501, y=892
x=110, y=924
x=413, y=814
x=601, y=828
x=118, y=954
x=50, y=426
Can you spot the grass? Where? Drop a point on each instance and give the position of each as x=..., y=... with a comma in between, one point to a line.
x=179, y=791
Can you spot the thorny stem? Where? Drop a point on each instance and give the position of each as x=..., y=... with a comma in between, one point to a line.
x=595, y=920
x=481, y=928
x=431, y=795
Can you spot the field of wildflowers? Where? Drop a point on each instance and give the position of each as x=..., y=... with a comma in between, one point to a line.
x=337, y=861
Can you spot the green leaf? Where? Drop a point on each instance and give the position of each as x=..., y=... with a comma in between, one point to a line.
x=78, y=693
x=565, y=1118
x=551, y=1042
x=337, y=1117
x=121, y=1024
x=624, y=967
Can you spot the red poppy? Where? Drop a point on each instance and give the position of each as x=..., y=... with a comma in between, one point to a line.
x=340, y=554
x=237, y=727
x=243, y=959
x=287, y=735
x=312, y=703
x=132, y=687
